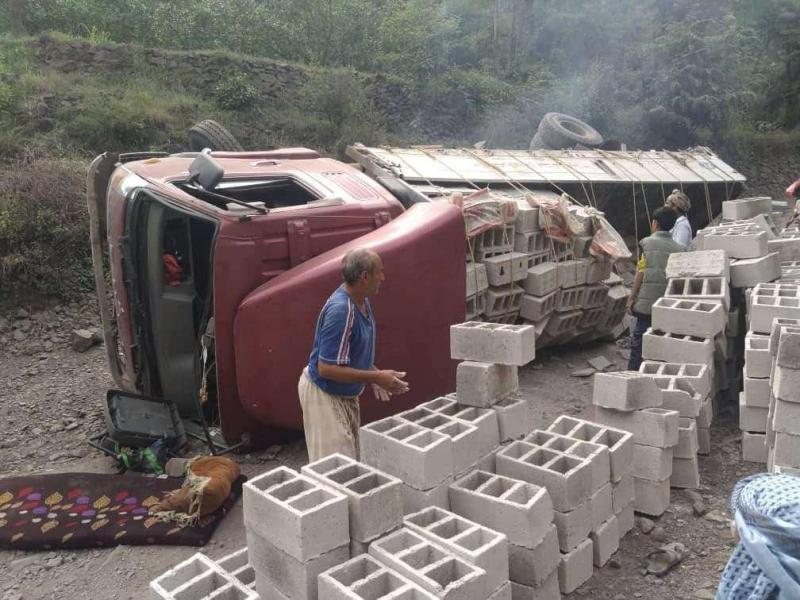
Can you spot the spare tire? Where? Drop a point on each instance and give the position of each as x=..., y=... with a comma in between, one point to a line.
x=210, y=134
x=537, y=143
x=557, y=130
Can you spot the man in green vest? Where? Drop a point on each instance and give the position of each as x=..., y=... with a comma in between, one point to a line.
x=650, y=282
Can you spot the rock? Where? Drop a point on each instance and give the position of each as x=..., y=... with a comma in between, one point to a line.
x=646, y=525
x=659, y=534
x=21, y=314
x=4, y=324
x=588, y=372
x=704, y=595
x=24, y=562
x=82, y=340
x=716, y=516
x=54, y=562
x=600, y=363
x=699, y=507
x=614, y=563
x=19, y=335
x=693, y=495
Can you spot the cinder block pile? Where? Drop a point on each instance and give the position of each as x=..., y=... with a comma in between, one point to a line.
x=518, y=272
x=783, y=432
x=632, y=402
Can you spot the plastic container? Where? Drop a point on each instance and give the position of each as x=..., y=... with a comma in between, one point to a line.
x=138, y=421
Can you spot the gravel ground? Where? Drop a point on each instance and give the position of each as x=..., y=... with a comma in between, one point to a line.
x=51, y=402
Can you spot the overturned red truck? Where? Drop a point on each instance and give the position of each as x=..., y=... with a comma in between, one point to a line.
x=211, y=267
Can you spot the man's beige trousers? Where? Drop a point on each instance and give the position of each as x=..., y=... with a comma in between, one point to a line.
x=330, y=422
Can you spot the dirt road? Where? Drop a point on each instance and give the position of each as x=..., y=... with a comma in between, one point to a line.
x=51, y=402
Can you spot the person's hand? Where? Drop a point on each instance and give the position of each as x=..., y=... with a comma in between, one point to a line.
x=630, y=303
x=380, y=393
x=392, y=381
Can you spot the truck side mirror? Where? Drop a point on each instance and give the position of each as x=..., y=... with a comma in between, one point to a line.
x=205, y=171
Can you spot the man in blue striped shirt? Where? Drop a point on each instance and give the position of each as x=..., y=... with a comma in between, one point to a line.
x=342, y=361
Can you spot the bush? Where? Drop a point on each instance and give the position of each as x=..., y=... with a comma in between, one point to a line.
x=44, y=241
x=236, y=92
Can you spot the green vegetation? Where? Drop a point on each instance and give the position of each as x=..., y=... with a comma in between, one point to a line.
x=652, y=73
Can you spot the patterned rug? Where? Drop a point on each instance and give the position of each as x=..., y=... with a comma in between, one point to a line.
x=86, y=510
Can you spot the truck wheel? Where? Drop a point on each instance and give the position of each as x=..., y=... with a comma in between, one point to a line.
x=210, y=134
x=537, y=143
x=557, y=130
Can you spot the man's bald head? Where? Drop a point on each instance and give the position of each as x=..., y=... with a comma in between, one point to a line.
x=356, y=262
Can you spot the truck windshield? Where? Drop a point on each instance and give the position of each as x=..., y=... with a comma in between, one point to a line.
x=270, y=193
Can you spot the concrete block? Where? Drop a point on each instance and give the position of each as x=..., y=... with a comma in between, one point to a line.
x=542, y=279
x=474, y=543
x=754, y=447
x=567, y=478
x=374, y=498
x=650, y=426
x=787, y=450
x=530, y=242
x=788, y=354
x=679, y=395
x=514, y=417
x=532, y=566
x=476, y=279
x=504, y=269
x=663, y=346
x=619, y=442
x=749, y=272
x=484, y=419
x=706, y=416
x=502, y=593
x=289, y=576
x=752, y=418
x=364, y=577
x=509, y=318
x=482, y=384
x=296, y=514
x=237, y=564
x=535, y=308
x=595, y=296
x=756, y=392
x=567, y=274
x=699, y=289
x=601, y=505
x=788, y=248
x=651, y=463
x=778, y=328
x=687, y=439
x=549, y=590
x=605, y=541
x=199, y=577
x=700, y=263
x=493, y=241
x=421, y=458
x=581, y=245
x=570, y=299
x=757, y=358
x=415, y=500
x=701, y=319
x=785, y=417
x=622, y=493
x=769, y=301
x=598, y=455
x=575, y=567
x=786, y=383
x=466, y=439
x=625, y=519
x=520, y=510
x=599, y=270
x=746, y=208
x=475, y=305
x=581, y=270
x=433, y=568
x=738, y=244
x=652, y=497
x=492, y=343
x=625, y=391
x=564, y=323
x=703, y=440
x=573, y=526
x=685, y=473
x=527, y=217
x=501, y=300
x=699, y=376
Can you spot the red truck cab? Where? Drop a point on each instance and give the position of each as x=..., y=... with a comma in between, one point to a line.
x=210, y=299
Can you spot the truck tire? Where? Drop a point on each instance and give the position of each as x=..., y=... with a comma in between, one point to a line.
x=210, y=134
x=557, y=130
x=537, y=143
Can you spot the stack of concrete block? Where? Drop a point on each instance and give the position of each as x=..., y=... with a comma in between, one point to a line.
x=487, y=376
x=478, y=545
x=783, y=433
x=523, y=512
x=632, y=402
x=296, y=528
x=202, y=578
x=375, y=499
